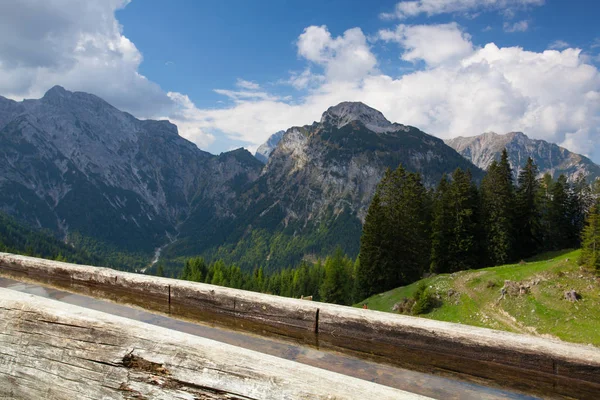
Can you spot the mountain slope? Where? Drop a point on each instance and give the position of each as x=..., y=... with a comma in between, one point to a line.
x=19, y=238
x=483, y=149
x=315, y=189
x=72, y=163
x=474, y=298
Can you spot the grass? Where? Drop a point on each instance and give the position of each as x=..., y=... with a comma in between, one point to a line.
x=473, y=298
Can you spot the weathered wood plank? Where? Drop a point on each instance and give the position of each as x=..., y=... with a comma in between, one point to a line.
x=54, y=350
x=486, y=353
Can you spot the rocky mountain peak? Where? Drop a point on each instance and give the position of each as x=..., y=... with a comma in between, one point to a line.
x=264, y=150
x=347, y=112
x=56, y=94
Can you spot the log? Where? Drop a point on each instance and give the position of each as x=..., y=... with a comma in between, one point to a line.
x=59, y=351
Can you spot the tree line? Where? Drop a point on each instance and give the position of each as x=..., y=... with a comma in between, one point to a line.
x=329, y=281
x=410, y=230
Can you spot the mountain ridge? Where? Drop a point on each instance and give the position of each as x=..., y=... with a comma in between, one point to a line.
x=556, y=160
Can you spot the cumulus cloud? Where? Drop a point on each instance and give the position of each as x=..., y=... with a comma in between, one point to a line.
x=77, y=44
x=345, y=58
x=434, y=44
x=408, y=9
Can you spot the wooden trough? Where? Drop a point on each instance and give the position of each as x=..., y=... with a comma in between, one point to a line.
x=54, y=350
x=513, y=360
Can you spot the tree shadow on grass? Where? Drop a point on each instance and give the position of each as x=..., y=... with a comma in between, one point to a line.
x=550, y=255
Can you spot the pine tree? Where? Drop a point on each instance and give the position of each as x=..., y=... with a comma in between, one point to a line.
x=590, y=253
x=558, y=215
x=498, y=201
x=465, y=248
x=580, y=203
x=441, y=228
x=395, y=246
x=528, y=213
x=337, y=287
x=370, y=278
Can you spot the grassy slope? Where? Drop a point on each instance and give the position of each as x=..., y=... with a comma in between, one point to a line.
x=541, y=312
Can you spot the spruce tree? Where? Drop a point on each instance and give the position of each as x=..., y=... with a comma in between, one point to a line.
x=441, y=228
x=395, y=246
x=370, y=277
x=590, y=252
x=528, y=213
x=337, y=286
x=498, y=199
x=465, y=249
x=560, y=227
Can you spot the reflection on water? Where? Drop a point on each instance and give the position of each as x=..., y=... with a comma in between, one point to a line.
x=412, y=381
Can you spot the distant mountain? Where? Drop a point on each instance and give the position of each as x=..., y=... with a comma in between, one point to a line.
x=315, y=189
x=264, y=150
x=551, y=158
x=72, y=163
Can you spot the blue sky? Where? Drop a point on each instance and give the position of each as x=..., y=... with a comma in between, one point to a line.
x=229, y=73
x=209, y=44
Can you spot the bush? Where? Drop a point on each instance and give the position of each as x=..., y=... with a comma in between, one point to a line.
x=425, y=301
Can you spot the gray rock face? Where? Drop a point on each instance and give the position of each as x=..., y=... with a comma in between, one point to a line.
x=264, y=150
x=483, y=149
x=348, y=112
x=72, y=162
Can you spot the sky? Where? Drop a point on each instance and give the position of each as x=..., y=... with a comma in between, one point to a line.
x=229, y=73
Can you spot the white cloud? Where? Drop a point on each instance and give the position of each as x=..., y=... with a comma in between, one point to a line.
x=244, y=95
x=249, y=85
x=77, y=44
x=519, y=26
x=304, y=79
x=345, y=58
x=558, y=45
x=408, y=9
x=434, y=44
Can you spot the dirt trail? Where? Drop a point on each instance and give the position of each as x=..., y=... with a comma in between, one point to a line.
x=492, y=310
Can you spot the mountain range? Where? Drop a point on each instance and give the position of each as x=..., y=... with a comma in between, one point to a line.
x=550, y=158
x=100, y=178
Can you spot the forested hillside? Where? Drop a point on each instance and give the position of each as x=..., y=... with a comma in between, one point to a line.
x=411, y=231
x=18, y=238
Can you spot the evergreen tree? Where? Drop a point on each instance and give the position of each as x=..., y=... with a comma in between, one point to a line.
x=528, y=213
x=560, y=227
x=370, y=278
x=395, y=247
x=580, y=203
x=337, y=286
x=441, y=228
x=545, y=199
x=590, y=253
x=498, y=200
x=465, y=247
x=407, y=211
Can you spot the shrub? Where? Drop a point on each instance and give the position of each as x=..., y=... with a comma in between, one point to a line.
x=425, y=301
